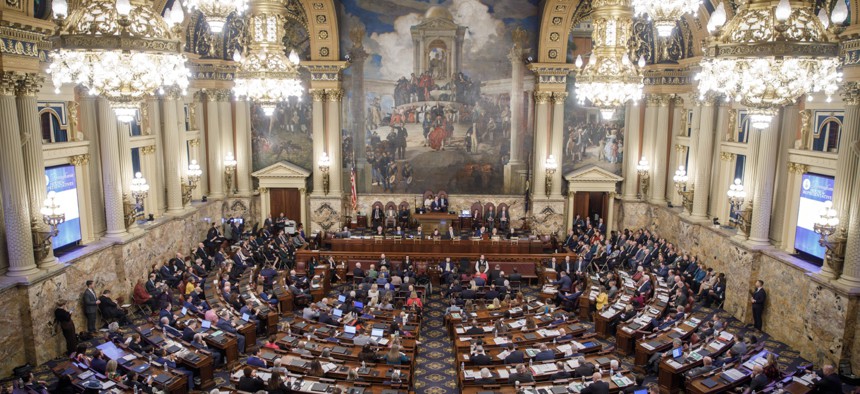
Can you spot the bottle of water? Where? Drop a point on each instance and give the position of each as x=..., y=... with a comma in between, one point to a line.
x=363, y=364
x=531, y=362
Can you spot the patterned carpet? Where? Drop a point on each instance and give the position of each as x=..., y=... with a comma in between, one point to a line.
x=435, y=367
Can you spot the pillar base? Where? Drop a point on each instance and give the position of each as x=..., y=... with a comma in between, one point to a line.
x=23, y=273
x=848, y=284
x=216, y=196
x=758, y=243
x=50, y=264
x=658, y=201
x=631, y=198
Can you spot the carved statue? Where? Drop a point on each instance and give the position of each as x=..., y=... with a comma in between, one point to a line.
x=805, y=128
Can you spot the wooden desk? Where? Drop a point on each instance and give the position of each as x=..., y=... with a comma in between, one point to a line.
x=412, y=245
x=203, y=365
x=307, y=383
x=435, y=220
x=671, y=373
x=662, y=342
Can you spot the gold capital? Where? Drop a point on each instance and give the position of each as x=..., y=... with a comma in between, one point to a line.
x=335, y=95
x=726, y=156
x=29, y=84
x=559, y=97
x=317, y=94
x=542, y=97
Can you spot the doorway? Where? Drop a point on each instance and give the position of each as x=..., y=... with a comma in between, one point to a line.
x=589, y=204
x=286, y=200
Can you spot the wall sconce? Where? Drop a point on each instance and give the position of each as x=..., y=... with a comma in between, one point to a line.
x=550, y=166
x=230, y=169
x=139, y=189
x=53, y=215
x=194, y=173
x=832, y=237
x=643, y=169
x=737, y=195
x=680, y=180
x=324, y=165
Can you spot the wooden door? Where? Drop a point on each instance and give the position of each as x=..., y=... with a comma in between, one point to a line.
x=580, y=204
x=288, y=201
x=596, y=205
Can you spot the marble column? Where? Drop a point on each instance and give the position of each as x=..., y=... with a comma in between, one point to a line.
x=358, y=116
x=704, y=154
x=156, y=175
x=845, y=193
x=632, y=137
x=660, y=153
x=123, y=130
x=679, y=123
x=16, y=206
x=693, y=148
x=89, y=126
x=720, y=200
x=515, y=162
x=318, y=130
x=610, y=213
x=34, y=163
x=649, y=135
x=225, y=124
x=111, y=170
x=174, y=143
x=198, y=122
x=215, y=156
x=764, y=185
x=541, y=151
x=243, y=148
x=557, y=140
x=333, y=138
x=788, y=132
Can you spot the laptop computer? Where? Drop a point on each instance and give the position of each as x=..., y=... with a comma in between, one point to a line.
x=357, y=304
x=341, y=298
x=337, y=312
x=377, y=333
x=206, y=324
x=348, y=332
x=678, y=354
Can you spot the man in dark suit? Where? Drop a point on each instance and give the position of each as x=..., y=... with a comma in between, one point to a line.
x=597, y=386
x=515, y=276
x=250, y=382
x=584, y=369
x=447, y=267
x=480, y=358
x=516, y=356
x=829, y=382
x=213, y=235
x=110, y=310
x=91, y=306
x=566, y=265
x=521, y=375
x=564, y=282
x=759, y=297
x=544, y=354
x=475, y=329
x=376, y=216
x=450, y=233
x=759, y=380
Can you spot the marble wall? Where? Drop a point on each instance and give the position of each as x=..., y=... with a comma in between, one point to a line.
x=28, y=310
x=808, y=314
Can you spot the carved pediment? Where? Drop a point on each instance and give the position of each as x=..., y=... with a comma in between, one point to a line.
x=592, y=174
x=436, y=24
x=282, y=169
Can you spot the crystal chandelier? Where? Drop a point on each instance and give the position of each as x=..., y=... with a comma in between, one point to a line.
x=769, y=55
x=266, y=75
x=217, y=11
x=610, y=79
x=665, y=13
x=122, y=52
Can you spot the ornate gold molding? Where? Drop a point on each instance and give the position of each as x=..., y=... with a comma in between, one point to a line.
x=263, y=190
x=194, y=142
x=732, y=126
x=797, y=168
x=192, y=114
x=559, y=97
x=805, y=127
x=726, y=156
x=146, y=150
x=80, y=160
x=8, y=83
x=218, y=94
x=851, y=93
x=303, y=191
x=680, y=148
x=335, y=95
x=542, y=97
x=29, y=84
x=317, y=94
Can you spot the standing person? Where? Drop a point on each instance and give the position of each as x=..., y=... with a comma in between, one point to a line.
x=91, y=306
x=64, y=319
x=759, y=297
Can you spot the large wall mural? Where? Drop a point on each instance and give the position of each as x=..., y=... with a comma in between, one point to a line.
x=588, y=139
x=429, y=92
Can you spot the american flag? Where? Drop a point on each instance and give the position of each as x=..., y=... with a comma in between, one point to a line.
x=352, y=180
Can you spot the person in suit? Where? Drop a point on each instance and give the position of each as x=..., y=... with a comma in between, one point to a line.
x=480, y=358
x=516, y=356
x=544, y=354
x=443, y=203
x=564, y=282
x=490, y=218
x=597, y=386
x=250, y=382
x=436, y=205
x=759, y=297
x=475, y=329
x=482, y=265
x=110, y=310
x=479, y=233
x=214, y=235
x=450, y=233
x=91, y=306
x=562, y=373
x=584, y=369
x=376, y=216
x=486, y=377
x=552, y=264
x=521, y=375
x=829, y=382
x=504, y=218
x=707, y=366
x=759, y=380
x=384, y=262
x=515, y=276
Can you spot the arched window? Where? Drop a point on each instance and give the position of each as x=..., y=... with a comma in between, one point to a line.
x=52, y=130
x=826, y=135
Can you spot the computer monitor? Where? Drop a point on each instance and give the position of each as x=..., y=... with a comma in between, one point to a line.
x=677, y=352
x=377, y=332
x=640, y=392
x=341, y=298
x=465, y=213
x=349, y=329
x=206, y=324
x=358, y=304
x=337, y=312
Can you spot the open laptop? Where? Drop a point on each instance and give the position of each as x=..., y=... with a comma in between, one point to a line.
x=205, y=325
x=348, y=332
x=678, y=354
x=337, y=312
x=377, y=333
x=341, y=298
x=358, y=305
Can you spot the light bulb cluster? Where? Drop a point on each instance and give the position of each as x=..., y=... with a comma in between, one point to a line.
x=139, y=187
x=123, y=52
x=665, y=13
x=643, y=167
x=609, y=82
x=680, y=178
x=52, y=212
x=217, y=11
x=766, y=58
x=736, y=193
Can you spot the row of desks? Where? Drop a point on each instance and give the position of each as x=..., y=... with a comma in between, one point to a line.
x=437, y=245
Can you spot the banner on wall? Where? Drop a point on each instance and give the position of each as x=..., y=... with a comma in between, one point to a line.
x=815, y=190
